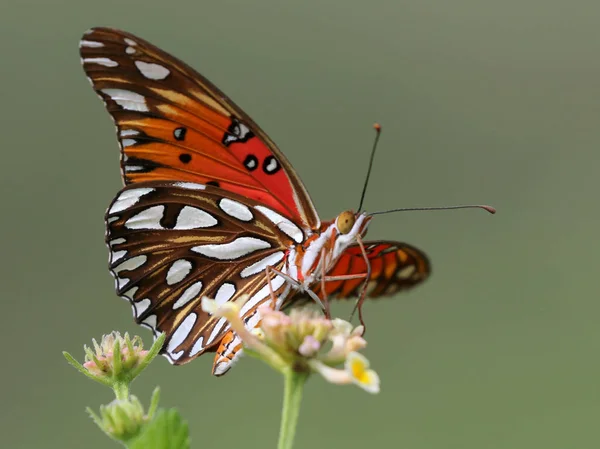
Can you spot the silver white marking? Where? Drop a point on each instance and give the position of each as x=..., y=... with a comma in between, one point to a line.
x=128, y=132
x=116, y=256
x=190, y=293
x=141, y=306
x=225, y=364
x=127, y=100
x=130, y=293
x=121, y=283
x=261, y=295
x=198, y=346
x=253, y=320
x=178, y=271
x=117, y=241
x=261, y=265
x=224, y=294
x=147, y=219
x=240, y=247
x=130, y=50
x=128, y=142
x=152, y=71
x=291, y=264
x=235, y=209
x=129, y=168
x=150, y=322
x=90, y=44
x=181, y=333
x=194, y=218
x=406, y=272
x=285, y=225
x=190, y=185
x=130, y=42
x=102, y=61
x=273, y=164
x=217, y=330
x=131, y=264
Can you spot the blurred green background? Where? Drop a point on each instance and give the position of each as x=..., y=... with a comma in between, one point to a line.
x=480, y=101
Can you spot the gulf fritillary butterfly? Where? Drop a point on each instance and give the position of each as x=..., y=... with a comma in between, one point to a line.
x=211, y=207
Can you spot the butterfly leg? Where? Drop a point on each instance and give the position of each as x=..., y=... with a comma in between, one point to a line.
x=291, y=281
x=323, y=291
x=363, y=292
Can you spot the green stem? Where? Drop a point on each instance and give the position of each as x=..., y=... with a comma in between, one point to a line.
x=121, y=390
x=292, y=397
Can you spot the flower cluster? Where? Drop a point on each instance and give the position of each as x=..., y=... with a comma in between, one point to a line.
x=115, y=362
x=102, y=361
x=304, y=341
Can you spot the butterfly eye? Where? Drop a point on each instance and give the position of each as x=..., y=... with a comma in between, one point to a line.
x=345, y=222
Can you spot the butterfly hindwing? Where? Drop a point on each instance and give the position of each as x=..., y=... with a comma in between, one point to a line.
x=172, y=243
x=173, y=124
x=395, y=266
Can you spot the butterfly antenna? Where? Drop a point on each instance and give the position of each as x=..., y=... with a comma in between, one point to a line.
x=489, y=209
x=377, y=127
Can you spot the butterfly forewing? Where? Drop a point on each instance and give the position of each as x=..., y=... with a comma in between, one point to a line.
x=173, y=124
x=172, y=243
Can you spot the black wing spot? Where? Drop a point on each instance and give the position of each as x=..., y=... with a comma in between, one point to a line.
x=185, y=158
x=251, y=162
x=271, y=165
x=213, y=183
x=237, y=132
x=179, y=133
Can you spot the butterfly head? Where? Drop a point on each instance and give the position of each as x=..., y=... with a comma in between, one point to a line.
x=352, y=223
x=349, y=226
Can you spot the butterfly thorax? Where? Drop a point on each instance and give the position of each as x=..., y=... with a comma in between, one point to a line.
x=321, y=250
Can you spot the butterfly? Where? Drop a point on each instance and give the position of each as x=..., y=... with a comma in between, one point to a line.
x=212, y=207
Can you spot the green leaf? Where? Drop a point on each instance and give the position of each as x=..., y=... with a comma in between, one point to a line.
x=166, y=431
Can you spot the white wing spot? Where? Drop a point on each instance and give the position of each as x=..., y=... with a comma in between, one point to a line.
x=193, y=218
x=152, y=71
x=146, y=219
x=198, y=346
x=130, y=293
x=130, y=42
x=128, y=132
x=190, y=185
x=190, y=293
x=235, y=209
x=129, y=168
x=141, y=306
x=406, y=272
x=116, y=256
x=261, y=295
x=90, y=44
x=127, y=142
x=178, y=271
x=131, y=264
x=127, y=100
x=285, y=225
x=180, y=334
x=261, y=265
x=233, y=250
x=130, y=50
x=102, y=61
x=150, y=322
x=224, y=294
x=128, y=198
x=216, y=330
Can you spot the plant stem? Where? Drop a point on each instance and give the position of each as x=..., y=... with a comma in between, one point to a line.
x=292, y=397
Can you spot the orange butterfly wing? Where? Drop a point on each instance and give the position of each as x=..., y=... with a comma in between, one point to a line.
x=174, y=124
x=395, y=266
